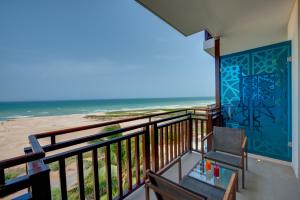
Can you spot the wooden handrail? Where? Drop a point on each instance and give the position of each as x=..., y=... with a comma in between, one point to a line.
x=80, y=140
x=75, y=129
x=11, y=162
x=89, y=147
x=81, y=128
x=207, y=136
x=14, y=185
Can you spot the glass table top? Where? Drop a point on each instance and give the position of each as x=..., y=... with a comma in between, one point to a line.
x=199, y=172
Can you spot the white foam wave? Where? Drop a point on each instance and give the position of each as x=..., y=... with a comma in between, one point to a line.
x=16, y=116
x=154, y=107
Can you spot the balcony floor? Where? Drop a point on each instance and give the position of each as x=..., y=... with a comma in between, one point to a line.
x=265, y=180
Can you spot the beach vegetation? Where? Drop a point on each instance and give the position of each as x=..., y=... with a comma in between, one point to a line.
x=73, y=191
x=12, y=173
x=128, y=113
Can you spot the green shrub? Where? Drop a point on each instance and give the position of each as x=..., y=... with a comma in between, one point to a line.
x=14, y=172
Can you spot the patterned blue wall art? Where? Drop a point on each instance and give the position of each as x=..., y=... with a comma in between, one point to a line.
x=255, y=95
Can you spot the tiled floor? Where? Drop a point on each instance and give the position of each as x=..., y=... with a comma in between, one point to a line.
x=265, y=180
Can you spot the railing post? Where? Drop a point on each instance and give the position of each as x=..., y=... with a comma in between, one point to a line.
x=219, y=117
x=2, y=176
x=155, y=158
x=190, y=125
x=40, y=178
x=209, y=129
x=146, y=141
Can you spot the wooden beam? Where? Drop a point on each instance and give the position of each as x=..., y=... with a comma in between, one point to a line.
x=217, y=72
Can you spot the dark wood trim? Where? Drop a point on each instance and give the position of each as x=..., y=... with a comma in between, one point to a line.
x=146, y=154
x=190, y=134
x=2, y=176
x=96, y=174
x=53, y=139
x=108, y=173
x=81, y=128
x=166, y=137
x=155, y=158
x=175, y=140
x=80, y=176
x=62, y=179
x=196, y=133
x=209, y=129
x=129, y=164
x=171, y=136
x=137, y=159
x=119, y=166
x=161, y=146
x=217, y=71
x=41, y=188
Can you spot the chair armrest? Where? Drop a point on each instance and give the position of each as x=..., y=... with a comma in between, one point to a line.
x=207, y=136
x=244, y=143
x=168, y=166
x=230, y=192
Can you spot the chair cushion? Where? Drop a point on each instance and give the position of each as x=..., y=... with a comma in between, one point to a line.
x=228, y=139
x=224, y=158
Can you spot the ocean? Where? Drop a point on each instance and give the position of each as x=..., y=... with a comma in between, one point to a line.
x=13, y=110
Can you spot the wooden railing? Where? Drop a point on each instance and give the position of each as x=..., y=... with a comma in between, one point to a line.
x=122, y=155
x=203, y=121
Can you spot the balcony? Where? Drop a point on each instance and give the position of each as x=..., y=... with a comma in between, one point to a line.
x=112, y=164
x=264, y=180
x=255, y=47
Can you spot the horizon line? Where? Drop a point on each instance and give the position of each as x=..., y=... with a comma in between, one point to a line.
x=95, y=99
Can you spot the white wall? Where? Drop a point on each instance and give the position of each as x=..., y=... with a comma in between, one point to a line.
x=293, y=30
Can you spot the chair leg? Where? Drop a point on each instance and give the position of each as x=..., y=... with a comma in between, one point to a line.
x=247, y=161
x=237, y=180
x=243, y=178
x=147, y=192
x=247, y=156
x=179, y=170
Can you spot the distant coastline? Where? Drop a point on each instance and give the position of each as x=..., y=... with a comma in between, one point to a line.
x=15, y=110
x=20, y=119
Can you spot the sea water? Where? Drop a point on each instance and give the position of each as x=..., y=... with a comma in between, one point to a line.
x=12, y=110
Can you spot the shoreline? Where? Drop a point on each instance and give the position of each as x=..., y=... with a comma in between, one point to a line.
x=14, y=133
x=107, y=111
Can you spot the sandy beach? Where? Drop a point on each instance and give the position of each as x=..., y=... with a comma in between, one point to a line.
x=14, y=133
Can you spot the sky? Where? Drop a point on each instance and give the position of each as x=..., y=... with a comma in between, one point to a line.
x=96, y=49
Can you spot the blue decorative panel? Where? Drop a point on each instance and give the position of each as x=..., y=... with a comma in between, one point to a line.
x=255, y=95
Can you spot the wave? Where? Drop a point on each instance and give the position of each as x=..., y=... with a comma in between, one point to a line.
x=35, y=109
x=152, y=107
x=43, y=113
x=16, y=117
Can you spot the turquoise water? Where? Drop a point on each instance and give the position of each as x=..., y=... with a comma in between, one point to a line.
x=12, y=110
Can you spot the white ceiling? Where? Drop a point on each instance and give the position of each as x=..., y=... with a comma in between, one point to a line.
x=241, y=24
